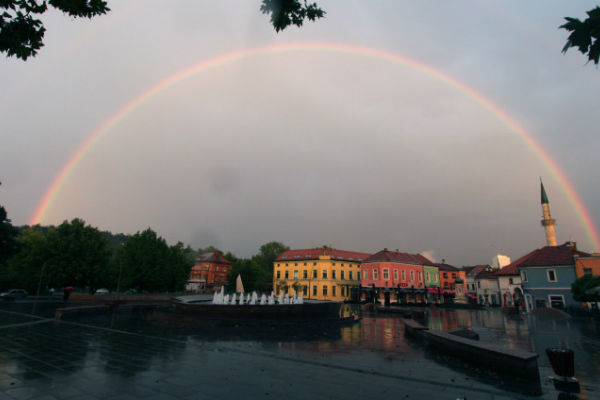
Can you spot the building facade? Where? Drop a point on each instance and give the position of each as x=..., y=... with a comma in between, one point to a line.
x=448, y=275
x=547, y=274
x=209, y=272
x=393, y=276
x=322, y=274
x=509, y=285
x=487, y=290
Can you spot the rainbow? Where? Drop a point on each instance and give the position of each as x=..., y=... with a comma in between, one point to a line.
x=526, y=137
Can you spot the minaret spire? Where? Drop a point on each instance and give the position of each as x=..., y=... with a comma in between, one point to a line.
x=548, y=222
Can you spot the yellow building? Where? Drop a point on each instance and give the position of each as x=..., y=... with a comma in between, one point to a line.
x=319, y=274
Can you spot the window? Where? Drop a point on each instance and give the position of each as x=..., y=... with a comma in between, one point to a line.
x=445, y=275
x=333, y=290
x=278, y=274
x=395, y=274
x=366, y=274
x=427, y=276
x=412, y=276
x=357, y=274
x=375, y=274
x=279, y=264
x=295, y=264
x=342, y=275
x=324, y=290
x=350, y=273
x=333, y=263
x=419, y=276
x=324, y=274
x=305, y=264
x=287, y=274
x=305, y=274
x=524, y=276
x=557, y=301
x=314, y=273
x=454, y=275
x=386, y=274
x=342, y=264
x=314, y=290
x=587, y=271
x=333, y=275
x=296, y=274
x=510, y=281
x=304, y=290
x=286, y=264
x=479, y=284
x=343, y=291
x=314, y=263
x=403, y=275
x=551, y=275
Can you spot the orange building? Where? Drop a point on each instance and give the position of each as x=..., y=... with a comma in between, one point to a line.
x=587, y=265
x=209, y=272
x=448, y=275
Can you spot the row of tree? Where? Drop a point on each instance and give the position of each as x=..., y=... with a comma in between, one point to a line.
x=77, y=254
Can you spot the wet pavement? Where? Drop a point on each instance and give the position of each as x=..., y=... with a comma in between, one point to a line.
x=159, y=355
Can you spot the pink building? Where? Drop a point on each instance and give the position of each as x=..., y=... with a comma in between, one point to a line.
x=394, y=276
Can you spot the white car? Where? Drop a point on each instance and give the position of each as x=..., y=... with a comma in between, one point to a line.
x=101, y=291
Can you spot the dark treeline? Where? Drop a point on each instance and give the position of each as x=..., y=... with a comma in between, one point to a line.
x=76, y=254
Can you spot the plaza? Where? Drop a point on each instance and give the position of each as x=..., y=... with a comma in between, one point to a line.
x=125, y=356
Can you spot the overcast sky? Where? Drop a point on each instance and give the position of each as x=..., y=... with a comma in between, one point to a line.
x=309, y=147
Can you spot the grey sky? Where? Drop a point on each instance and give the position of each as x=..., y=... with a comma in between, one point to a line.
x=308, y=148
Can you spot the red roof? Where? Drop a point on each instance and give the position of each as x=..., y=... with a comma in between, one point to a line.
x=445, y=267
x=475, y=270
x=548, y=255
x=313, y=254
x=214, y=257
x=395, y=256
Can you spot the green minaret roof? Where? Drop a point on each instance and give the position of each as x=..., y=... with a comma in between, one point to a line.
x=544, y=195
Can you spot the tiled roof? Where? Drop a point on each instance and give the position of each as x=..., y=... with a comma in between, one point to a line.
x=546, y=256
x=445, y=267
x=386, y=255
x=214, y=257
x=475, y=270
x=487, y=275
x=553, y=255
x=313, y=254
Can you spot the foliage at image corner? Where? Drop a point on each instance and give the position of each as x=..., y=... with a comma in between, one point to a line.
x=22, y=31
x=585, y=35
x=582, y=285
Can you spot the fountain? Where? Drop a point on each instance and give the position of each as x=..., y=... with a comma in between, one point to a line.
x=251, y=305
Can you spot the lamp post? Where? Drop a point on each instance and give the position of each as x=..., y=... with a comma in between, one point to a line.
x=37, y=294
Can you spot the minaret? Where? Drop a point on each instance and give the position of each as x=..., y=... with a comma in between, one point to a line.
x=548, y=222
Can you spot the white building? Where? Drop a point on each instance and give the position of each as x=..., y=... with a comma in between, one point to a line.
x=509, y=283
x=500, y=261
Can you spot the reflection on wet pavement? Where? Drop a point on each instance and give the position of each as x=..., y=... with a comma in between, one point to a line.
x=161, y=354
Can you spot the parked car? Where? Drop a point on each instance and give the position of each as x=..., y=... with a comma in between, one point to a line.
x=14, y=293
x=101, y=291
x=131, y=291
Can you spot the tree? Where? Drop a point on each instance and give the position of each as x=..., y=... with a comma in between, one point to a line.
x=149, y=264
x=267, y=255
x=8, y=237
x=582, y=285
x=287, y=12
x=24, y=268
x=585, y=35
x=76, y=255
x=22, y=32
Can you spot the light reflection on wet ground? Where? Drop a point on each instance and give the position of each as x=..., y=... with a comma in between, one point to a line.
x=159, y=354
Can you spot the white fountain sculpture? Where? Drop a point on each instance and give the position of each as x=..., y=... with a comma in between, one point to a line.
x=300, y=300
x=242, y=299
x=271, y=299
x=225, y=299
x=280, y=298
x=263, y=299
x=254, y=298
x=233, y=299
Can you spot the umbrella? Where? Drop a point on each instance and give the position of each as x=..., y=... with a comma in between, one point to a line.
x=239, y=286
x=68, y=287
